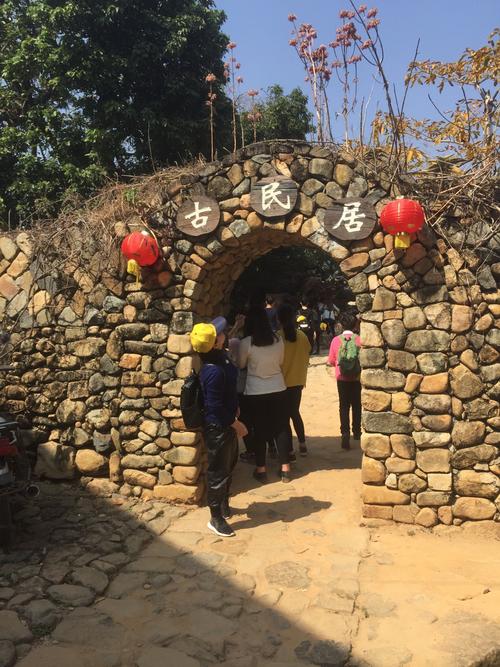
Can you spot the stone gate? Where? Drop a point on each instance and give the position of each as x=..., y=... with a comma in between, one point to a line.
x=98, y=366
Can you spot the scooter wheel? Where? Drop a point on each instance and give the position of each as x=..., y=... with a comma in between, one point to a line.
x=5, y=521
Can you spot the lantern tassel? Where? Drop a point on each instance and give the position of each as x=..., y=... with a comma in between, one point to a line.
x=402, y=240
x=134, y=269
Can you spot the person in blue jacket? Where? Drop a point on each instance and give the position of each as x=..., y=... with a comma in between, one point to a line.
x=218, y=378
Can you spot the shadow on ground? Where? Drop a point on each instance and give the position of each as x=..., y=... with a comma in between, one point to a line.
x=115, y=582
x=327, y=455
x=108, y=582
x=286, y=511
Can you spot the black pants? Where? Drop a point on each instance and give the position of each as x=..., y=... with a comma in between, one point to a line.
x=269, y=419
x=293, y=397
x=222, y=448
x=349, y=397
x=317, y=338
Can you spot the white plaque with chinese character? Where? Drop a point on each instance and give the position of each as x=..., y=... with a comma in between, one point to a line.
x=350, y=219
x=198, y=216
x=274, y=197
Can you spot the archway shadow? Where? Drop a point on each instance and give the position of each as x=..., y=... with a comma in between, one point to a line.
x=118, y=582
x=286, y=511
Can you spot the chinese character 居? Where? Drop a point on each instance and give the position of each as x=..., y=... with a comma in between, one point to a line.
x=351, y=217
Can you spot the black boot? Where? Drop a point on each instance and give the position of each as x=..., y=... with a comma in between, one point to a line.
x=225, y=509
x=345, y=442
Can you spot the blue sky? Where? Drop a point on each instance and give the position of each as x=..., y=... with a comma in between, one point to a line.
x=445, y=27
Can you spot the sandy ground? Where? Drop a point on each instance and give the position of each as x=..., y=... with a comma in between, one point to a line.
x=305, y=581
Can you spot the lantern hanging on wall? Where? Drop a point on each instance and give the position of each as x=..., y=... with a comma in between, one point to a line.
x=401, y=218
x=140, y=249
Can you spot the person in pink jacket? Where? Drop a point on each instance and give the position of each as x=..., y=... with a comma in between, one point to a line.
x=344, y=357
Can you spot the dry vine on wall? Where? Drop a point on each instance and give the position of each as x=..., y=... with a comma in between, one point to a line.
x=77, y=256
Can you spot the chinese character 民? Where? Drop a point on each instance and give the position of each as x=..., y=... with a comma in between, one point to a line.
x=351, y=218
x=199, y=220
x=270, y=194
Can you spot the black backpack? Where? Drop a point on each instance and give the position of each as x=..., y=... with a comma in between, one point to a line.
x=192, y=401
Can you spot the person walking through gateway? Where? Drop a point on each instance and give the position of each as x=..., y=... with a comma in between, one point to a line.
x=221, y=428
x=294, y=367
x=305, y=323
x=262, y=353
x=316, y=327
x=344, y=356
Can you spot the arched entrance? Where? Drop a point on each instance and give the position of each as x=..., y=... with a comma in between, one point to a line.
x=243, y=239
x=278, y=273
x=292, y=274
x=223, y=272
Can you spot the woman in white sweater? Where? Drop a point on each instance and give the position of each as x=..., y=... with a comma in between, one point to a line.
x=262, y=353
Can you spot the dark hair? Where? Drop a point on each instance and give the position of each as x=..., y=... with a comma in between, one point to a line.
x=349, y=321
x=258, y=327
x=214, y=356
x=286, y=316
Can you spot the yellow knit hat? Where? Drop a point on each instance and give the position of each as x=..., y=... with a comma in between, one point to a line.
x=203, y=337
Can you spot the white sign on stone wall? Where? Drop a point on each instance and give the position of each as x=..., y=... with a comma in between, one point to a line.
x=274, y=197
x=350, y=219
x=198, y=216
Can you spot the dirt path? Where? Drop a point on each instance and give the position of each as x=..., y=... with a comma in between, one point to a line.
x=305, y=581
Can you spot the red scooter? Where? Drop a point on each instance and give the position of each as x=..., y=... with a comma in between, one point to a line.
x=15, y=474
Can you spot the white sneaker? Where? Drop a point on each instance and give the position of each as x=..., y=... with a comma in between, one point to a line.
x=220, y=527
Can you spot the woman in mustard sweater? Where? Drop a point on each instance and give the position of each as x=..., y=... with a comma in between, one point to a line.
x=294, y=369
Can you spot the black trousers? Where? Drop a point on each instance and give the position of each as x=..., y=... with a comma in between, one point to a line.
x=317, y=338
x=293, y=397
x=222, y=449
x=349, y=399
x=268, y=415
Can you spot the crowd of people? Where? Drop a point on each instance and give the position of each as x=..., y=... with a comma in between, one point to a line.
x=251, y=380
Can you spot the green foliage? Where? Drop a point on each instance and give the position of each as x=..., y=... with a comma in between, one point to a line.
x=91, y=89
x=280, y=116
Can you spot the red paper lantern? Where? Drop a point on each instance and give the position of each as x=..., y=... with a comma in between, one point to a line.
x=141, y=247
x=401, y=218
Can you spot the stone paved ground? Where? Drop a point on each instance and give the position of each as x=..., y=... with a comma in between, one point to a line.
x=108, y=583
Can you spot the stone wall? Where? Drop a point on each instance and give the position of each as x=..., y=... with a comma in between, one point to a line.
x=98, y=364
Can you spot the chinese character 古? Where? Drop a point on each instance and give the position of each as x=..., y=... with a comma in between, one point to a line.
x=199, y=220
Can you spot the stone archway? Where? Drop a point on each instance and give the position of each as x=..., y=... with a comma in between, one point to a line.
x=429, y=330
x=408, y=330
x=374, y=275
